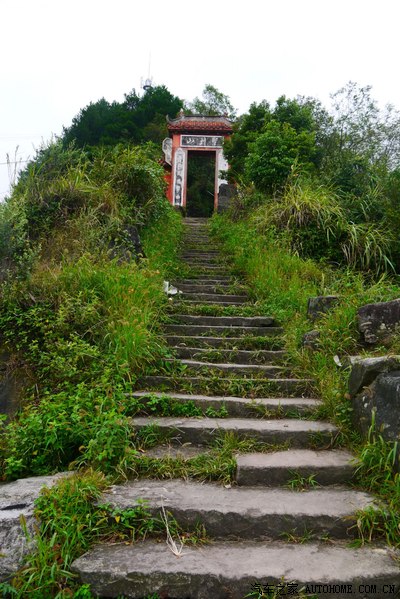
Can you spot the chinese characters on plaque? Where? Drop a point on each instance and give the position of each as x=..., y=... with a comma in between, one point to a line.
x=205, y=141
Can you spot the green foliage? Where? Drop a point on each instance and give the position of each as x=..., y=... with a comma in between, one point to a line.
x=313, y=222
x=212, y=103
x=136, y=120
x=68, y=202
x=282, y=282
x=71, y=522
x=87, y=326
x=274, y=154
x=354, y=152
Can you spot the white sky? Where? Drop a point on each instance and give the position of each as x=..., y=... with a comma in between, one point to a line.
x=59, y=55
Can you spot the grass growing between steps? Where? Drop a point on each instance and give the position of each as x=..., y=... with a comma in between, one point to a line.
x=216, y=463
x=280, y=282
x=72, y=521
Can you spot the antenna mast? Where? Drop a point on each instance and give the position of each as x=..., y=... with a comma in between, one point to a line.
x=147, y=83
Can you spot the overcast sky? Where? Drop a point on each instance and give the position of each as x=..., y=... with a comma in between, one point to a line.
x=59, y=55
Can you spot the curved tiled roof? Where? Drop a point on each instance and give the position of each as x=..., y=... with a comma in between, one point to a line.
x=200, y=123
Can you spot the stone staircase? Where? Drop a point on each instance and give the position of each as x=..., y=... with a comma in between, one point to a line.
x=238, y=363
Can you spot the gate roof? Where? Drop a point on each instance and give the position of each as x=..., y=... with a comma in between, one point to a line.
x=199, y=123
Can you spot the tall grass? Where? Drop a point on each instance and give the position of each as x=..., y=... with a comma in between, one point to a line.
x=86, y=323
x=313, y=222
x=281, y=283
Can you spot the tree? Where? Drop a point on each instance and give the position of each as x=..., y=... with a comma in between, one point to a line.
x=212, y=103
x=275, y=152
x=138, y=119
x=245, y=131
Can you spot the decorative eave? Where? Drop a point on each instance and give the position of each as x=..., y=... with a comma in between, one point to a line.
x=199, y=123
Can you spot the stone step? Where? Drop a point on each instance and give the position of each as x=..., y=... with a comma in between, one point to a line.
x=245, y=512
x=240, y=406
x=202, y=257
x=201, y=252
x=203, y=431
x=225, y=321
x=220, y=330
x=231, y=355
x=222, y=570
x=197, y=237
x=218, y=303
x=209, y=269
x=216, y=297
x=244, y=387
x=205, y=263
x=266, y=370
x=272, y=469
x=204, y=280
x=203, y=288
x=229, y=343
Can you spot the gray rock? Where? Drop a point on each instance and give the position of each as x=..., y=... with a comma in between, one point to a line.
x=13, y=379
x=365, y=370
x=126, y=245
x=310, y=340
x=378, y=322
x=320, y=305
x=16, y=504
x=225, y=193
x=382, y=399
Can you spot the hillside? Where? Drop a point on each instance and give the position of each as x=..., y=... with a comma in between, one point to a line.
x=191, y=397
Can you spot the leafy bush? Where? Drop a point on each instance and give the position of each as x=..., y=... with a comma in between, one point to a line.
x=88, y=327
x=311, y=219
x=275, y=152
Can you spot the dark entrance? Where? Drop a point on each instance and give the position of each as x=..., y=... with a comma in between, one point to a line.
x=200, y=184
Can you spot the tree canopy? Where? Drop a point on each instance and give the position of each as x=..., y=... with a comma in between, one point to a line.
x=138, y=119
x=212, y=103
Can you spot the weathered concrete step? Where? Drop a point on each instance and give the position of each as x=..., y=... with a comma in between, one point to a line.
x=244, y=387
x=204, y=280
x=224, y=570
x=196, y=240
x=215, y=297
x=226, y=321
x=212, y=264
x=217, y=303
x=245, y=512
x=230, y=343
x=272, y=469
x=202, y=252
x=203, y=288
x=202, y=431
x=209, y=268
x=232, y=355
x=206, y=258
x=240, y=406
x=267, y=370
x=221, y=330
x=241, y=386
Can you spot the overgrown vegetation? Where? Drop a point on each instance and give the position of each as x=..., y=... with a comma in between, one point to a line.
x=77, y=307
x=330, y=179
x=71, y=522
x=81, y=300
x=281, y=282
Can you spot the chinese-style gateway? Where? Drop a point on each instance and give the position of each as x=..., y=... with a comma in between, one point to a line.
x=190, y=134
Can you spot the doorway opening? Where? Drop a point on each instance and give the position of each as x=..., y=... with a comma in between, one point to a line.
x=200, y=184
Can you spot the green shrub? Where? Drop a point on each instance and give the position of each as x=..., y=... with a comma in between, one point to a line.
x=275, y=152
